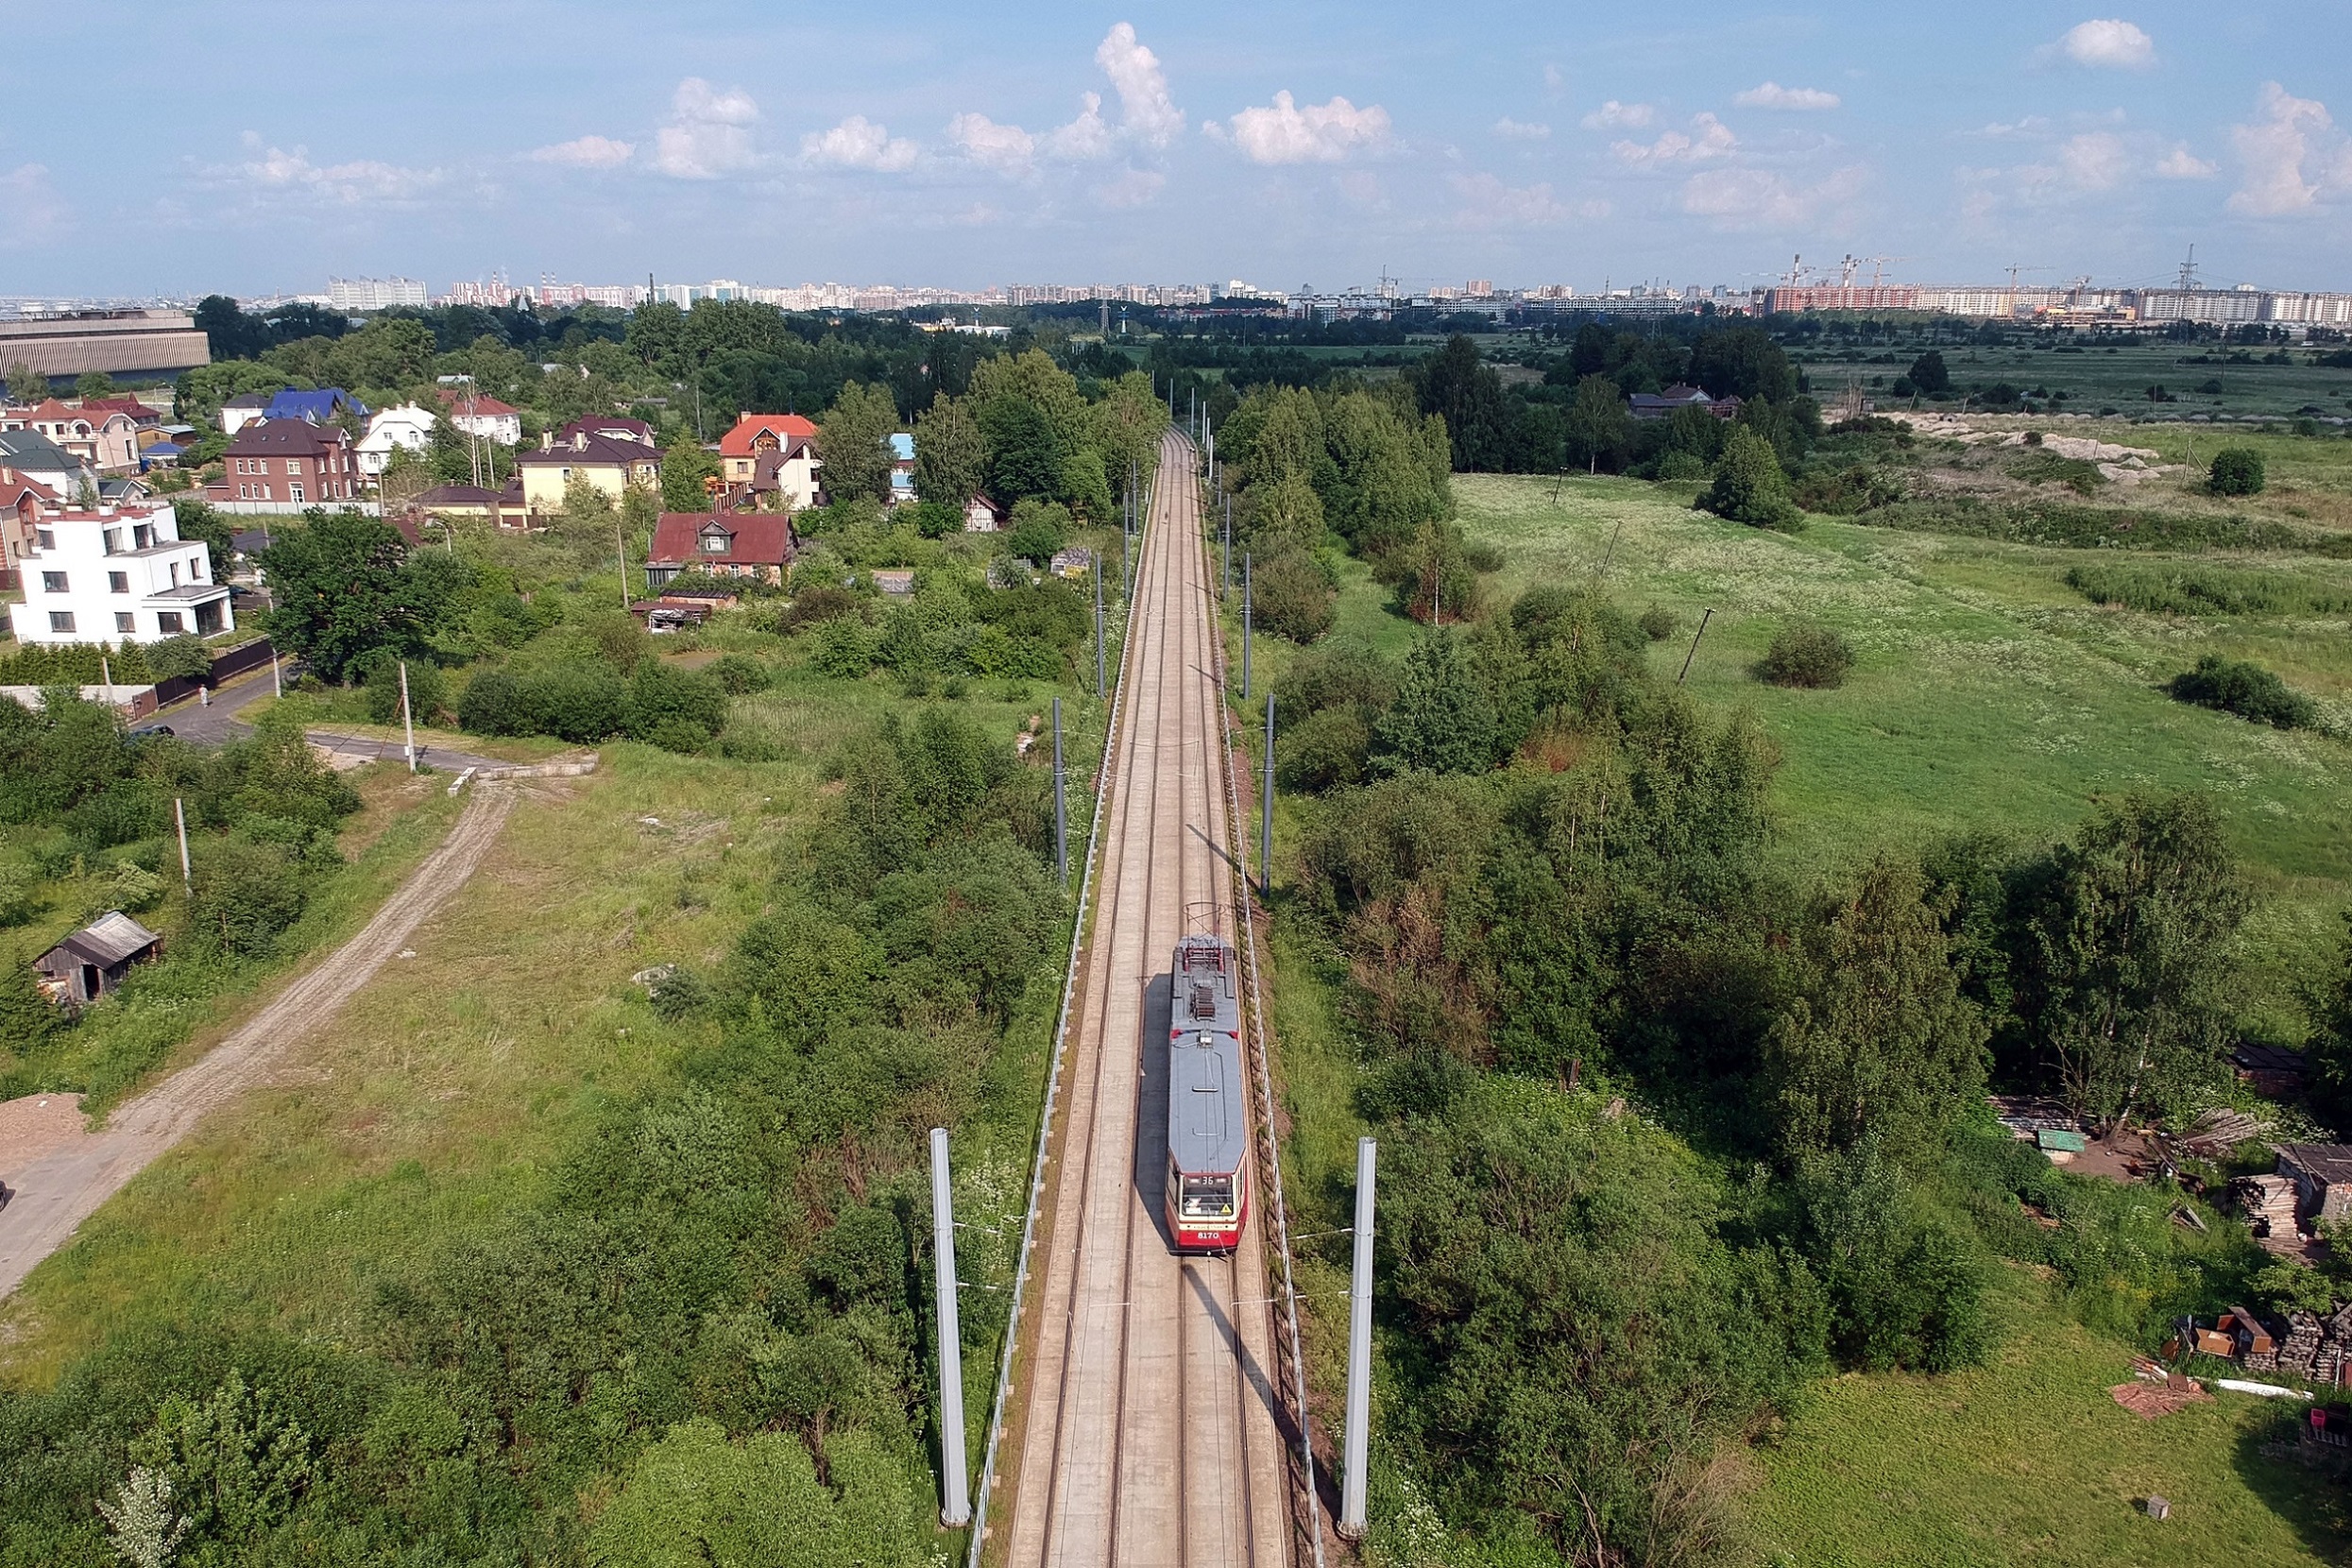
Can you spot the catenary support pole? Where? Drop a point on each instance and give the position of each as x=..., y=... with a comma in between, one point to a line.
x=1060, y=806
x=408, y=720
x=1359, y=1350
x=1266, y=809
x=1226, y=591
x=1245, y=625
x=956, y=1507
x=1103, y=688
x=180, y=820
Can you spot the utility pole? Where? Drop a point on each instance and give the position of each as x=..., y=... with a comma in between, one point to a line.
x=956, y=1511
x=1060, y=810
x=408, y=720
x=276, y=689
x=180, y=820
x=1265, y=810
x=1245, y=625
x=1357, y=1439
x=620, y=548
x=1703, y=617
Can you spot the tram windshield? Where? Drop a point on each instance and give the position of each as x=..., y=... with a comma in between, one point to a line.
x=1207, y=1198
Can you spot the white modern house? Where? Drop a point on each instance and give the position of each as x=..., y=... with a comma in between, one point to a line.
x=405, y=426
x=117, y=574
x=472, y=414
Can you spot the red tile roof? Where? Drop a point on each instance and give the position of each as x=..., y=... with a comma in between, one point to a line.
x=784, y=427
x=131, y=406
x=486, y=407
x=761, y=539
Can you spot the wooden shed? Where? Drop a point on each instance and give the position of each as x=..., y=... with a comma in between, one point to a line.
x=2322, y=1173
x=94, y=960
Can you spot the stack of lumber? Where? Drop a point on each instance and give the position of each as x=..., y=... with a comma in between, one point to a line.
x=2268, y=1203
x=2216, y=1133
x=2301, y=1347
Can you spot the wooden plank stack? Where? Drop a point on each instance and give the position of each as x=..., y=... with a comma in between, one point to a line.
x=2268, y=1203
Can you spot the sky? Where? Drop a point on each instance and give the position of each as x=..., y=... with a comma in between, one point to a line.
x=247, y=148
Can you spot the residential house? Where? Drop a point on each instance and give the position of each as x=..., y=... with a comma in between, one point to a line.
x=106, y=438
x=241, y=410
x=1659, y=406
x=472, y=503
x=96, y=959
x=721, y=544
x=901, y=469
x=982, y=516
x=769, y=461
x=610, y=463
x=118, y=575
x=29, y=454
x=893, y=582
x=324, y=407
x=470, y=413
x=406, y=426
x=612, y=427
x=283, y=465
x=22, y=502
x=1075, y=562
x=145, y=418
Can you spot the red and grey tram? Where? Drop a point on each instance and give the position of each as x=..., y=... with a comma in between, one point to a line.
x=1207, y=1197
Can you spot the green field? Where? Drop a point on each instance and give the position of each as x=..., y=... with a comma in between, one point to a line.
x=2096, y=376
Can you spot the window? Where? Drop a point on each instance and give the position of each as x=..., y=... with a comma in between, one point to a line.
x=1206, y=1198
x=45, y=539
x=714, y=544
x=294, y=468
x=245, y=492
x=53, y=582
x=175, y=570
x=118, y=582
x=167, y=622
x=112, y=542
x=143, y=535
x=62, y=620
x=125, y=623
x=293, y=492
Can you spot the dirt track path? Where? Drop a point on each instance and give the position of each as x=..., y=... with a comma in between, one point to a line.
x=64, y=1187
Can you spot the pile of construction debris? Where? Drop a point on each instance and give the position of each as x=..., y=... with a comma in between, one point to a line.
x=2315, y=1351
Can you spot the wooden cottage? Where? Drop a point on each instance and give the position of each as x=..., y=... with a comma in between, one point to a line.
x=96, y=959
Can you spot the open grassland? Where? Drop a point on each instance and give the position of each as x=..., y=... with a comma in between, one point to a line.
x=2028, y=1459
x=1986, y=694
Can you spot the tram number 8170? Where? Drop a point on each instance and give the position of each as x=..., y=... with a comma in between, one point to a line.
x=1208, y=1196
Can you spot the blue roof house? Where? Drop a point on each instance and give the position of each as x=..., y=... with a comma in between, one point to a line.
x=901, y=468
x=323, y=406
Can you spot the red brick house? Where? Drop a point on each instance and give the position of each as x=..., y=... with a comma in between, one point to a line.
x=721, y=544
x=286, y=465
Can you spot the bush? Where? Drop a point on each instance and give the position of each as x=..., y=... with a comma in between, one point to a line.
x=2236, y=471
x=1807, y=655
x=738, y=674
x=1293, y=596
x=428, y=692
x=2248, y=689
x=1038, y=529
x=844, y=648
x=1323, y=751
x=676, y=709
x=246, y=894
x=580, y=701
x=179, y=656
x=492, y=705
x=1657, y=622
x=1749, y=486
x=813, y=606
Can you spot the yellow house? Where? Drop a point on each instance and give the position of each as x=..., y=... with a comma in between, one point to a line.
x=611, y=455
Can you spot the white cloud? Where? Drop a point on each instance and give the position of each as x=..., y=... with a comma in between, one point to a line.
x=2180, y=163
x=2105, y=45
x=1487, y=203
x=365, y=180
x=1613, y=115
x=705, y=137
x=35, y=213
x=1146, y=111
x=1760, y=198
x=1320, y=133
x=1773, y=96
x=2292, y=156
x=1130, y=188
x=2095, y=160
x=586, y=152
x=1005, y=148
x=2032, y=125
x=1085, y=139
x=1710, y=138
x=1516, y=131
x=1553, y=80
x=859, y=142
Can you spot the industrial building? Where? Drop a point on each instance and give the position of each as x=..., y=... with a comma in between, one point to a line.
x=128, y=345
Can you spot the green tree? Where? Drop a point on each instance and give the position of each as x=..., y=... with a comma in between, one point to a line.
x=246, y=894
x=28, y=1018
x=2124, y=979
x=1877, y=1042
x=25, y=385
x=1467, y=395
x=684, y=466
x=1442, y=719
x=1905, y=1288
x=1024, y=454
x=853, y=439
x=950, y=455
x=1743, y=361
x=1598, y=423
x=2330, y=1048
x=1294, y=595
x=94, y=383
x=1748, y=486
x=2236, y=471
x=1929, y=374
x=340, y=591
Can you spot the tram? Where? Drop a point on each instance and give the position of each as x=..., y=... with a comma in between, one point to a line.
x=1208, y=1196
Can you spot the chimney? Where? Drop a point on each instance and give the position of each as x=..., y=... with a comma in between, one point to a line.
x=547, y=440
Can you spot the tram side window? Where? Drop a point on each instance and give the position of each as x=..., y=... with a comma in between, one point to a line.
x=1207, y=1198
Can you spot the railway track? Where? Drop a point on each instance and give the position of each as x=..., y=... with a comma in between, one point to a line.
x=1147, y=1420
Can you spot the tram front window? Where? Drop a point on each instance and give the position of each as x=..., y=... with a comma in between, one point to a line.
x=1207, y=1198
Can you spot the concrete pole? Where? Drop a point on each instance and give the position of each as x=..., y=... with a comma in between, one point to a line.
x=180, y=820
x=1245, y=625
x=1266, y=809
x=1061, y=808
x=1103, y=688
x=1359, y=1350
x=956, y=1511
x=276, y=689
x=408, y=720
x=1227, y=591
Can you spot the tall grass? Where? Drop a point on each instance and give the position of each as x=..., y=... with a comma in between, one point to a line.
x=2185, y=589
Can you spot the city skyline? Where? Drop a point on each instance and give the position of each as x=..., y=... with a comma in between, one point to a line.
x=945, y=149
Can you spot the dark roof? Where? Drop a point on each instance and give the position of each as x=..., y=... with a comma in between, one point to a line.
x=2256, y=1057
x=29, y=448
x=278, y=436
x=105, y=942
x=2326, y=1162
x=583, y=449
x=757, y=539
x=611, y=427
x=318, y=406
x=247, y=399
x=456, y=495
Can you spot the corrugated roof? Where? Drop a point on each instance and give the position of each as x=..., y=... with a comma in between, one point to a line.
x=108, y=940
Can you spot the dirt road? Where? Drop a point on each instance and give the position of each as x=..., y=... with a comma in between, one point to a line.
x=62, y=1188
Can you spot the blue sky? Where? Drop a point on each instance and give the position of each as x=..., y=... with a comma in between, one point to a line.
x=252, y=146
